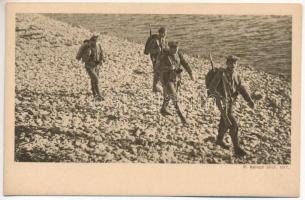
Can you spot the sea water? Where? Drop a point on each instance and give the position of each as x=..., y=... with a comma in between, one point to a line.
x=263, y=42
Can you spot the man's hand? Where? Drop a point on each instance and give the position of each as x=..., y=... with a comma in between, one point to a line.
x=251, y=104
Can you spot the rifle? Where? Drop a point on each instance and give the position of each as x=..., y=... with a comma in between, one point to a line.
x=223, y=111
x=178, y=76
x=211, y=61
x=179, y=112
x=147, y=44
x=150, y=30
x=215, y=94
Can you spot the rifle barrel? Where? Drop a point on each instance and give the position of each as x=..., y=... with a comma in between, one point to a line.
x=211, y=61
x=150, y=29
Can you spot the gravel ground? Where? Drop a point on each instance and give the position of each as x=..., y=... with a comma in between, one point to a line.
x=57, y=120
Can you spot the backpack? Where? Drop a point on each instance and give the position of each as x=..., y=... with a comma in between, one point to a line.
x=86, y=55
x=84, y=52
x=220, y=94
x=209, y=78
x=149, y=43
x=100, y=54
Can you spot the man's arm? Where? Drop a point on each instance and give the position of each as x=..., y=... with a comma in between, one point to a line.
x=244, y=92
x=185, y=65
x=80, y=51
x=102, y=54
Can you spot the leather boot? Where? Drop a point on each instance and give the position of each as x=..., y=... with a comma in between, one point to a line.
x=164, y=109
x=221, y=133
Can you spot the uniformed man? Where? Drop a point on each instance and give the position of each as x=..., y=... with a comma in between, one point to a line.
x=232, y=86
x=155, y=46
x=91, y=53
x=170, y=74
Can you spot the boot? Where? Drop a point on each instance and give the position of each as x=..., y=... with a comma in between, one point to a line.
x=239, y=152
x=98, y=96
x=164, y=109
x=156, y=89
x=182, y=118
x=221, y=133
x=93, y=90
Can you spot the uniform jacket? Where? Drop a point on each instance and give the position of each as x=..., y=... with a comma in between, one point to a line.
x=172, y=63
x=156, y=45
x=229, y=85
x=90, y=54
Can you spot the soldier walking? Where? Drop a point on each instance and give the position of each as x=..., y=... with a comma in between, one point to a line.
x=155, y=46
x=226, y=85
x=91, y=53
x=170, y=75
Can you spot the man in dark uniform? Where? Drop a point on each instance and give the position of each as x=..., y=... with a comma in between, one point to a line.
x=231, y=87
x=155, y=47
x=92, y=55
x=170, y=75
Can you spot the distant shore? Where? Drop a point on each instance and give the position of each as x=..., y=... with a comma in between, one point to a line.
x=257, y=40
x=58, y=121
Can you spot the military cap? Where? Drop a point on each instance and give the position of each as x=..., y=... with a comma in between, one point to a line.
x=232, y=58
x=94, y=38
x=173, y=44
x=162, y=29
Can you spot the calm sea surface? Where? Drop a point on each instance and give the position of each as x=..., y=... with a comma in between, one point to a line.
x=263, y=42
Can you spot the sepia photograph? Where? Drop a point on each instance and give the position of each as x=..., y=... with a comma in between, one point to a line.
x=145, y=88
x=162, y=98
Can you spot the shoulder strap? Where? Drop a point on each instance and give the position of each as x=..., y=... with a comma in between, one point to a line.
x=226, y=85
x=169, y=59
x=100, y=49
x=158, y=43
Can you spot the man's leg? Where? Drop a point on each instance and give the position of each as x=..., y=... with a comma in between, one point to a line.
x=97, y=71
x=156, y=75
x=94, y=81
x=164, y=109
x=90, y=73
x=173, y=95
x=97, y=90
x=155, y=80
x=234, y=136
x=222, y=129
x=93, y=88
x=166, y=98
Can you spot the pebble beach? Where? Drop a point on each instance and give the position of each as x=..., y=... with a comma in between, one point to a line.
x=57, y=120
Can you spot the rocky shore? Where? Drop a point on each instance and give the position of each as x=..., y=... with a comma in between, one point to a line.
x=57, y=120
